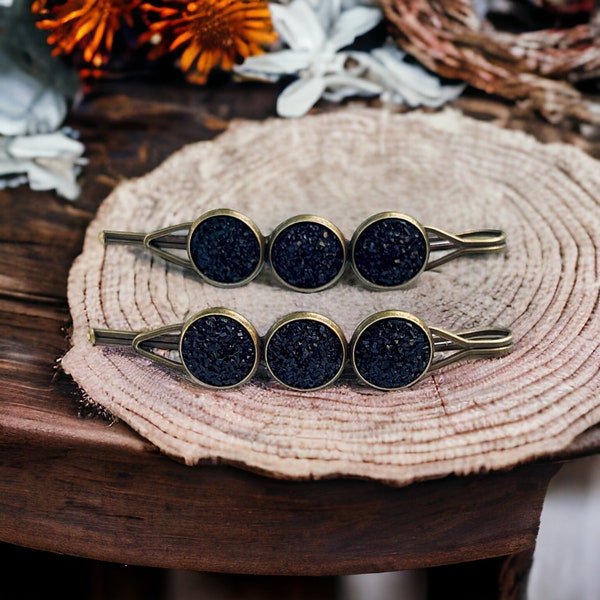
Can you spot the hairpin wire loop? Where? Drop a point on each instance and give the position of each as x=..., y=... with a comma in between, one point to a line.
x=124, y=238
x=163, y=338
x=166, y=338
x=479, y=342
x=156, y=241
x=480, y=241
x=110, y=337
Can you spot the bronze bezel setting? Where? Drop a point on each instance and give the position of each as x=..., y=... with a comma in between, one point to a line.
x=250, y=230
x=393, y=350
x=407, y=256
x=301, y=346
x=330, y=238
x=245, y=329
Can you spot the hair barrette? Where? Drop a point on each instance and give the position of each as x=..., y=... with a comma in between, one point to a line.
x=308, y=253
x=390, y=350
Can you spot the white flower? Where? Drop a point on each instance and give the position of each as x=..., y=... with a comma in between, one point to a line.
x=315, y=32
x=26, y=105
x=404, y=82
x=32, y=149
x=48, y=161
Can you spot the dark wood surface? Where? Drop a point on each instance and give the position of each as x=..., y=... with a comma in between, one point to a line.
x=72, y=482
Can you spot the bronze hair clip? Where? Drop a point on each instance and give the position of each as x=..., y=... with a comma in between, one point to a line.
x=219, y=348
x=308, y=253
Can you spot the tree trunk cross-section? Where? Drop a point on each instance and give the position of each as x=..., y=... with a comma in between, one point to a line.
x=445, y=170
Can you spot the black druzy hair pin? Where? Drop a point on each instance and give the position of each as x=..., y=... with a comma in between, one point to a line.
x=308, y=253
x=389, y=250
x=305, y=351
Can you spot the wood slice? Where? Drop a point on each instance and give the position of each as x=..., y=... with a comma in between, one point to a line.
x=445, y=170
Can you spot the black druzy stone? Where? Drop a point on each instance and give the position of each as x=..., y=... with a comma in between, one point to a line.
x=305, y=354
x=307, y=255
x=218, y=351
x=390, y=252
x=392, y=353
x=225, y=249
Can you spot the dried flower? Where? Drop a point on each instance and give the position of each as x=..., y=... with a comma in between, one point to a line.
x=212, y=32
x=318, y=34
x=404, y=81
x=89, y=25
x=27, y=105
x=50, y=161
x=315, y=33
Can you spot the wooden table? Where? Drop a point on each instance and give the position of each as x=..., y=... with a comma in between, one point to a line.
x=72, y=482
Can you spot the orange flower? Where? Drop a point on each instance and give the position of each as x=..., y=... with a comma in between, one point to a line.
x=89, y=25
x=212, y=32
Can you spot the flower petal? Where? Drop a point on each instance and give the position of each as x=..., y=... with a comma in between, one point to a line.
x=340, y=86
x=53, y=176
x=412, y=81
x=327, y=11
x=45, y=145
x=297, y=24
x=44, y=161
x=300, y=96
x=352, y=23
x=26, y=105
x=279, y=63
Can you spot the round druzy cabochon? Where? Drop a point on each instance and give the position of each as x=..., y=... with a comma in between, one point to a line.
x=389, y=250
x=305, y=351
x=219, y=348
x=307, y=253
x=226, y=248
x=391, y=350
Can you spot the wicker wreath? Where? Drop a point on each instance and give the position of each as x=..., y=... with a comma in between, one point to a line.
x=538, y=68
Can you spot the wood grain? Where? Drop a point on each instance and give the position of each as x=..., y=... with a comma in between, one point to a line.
x=142, y=509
